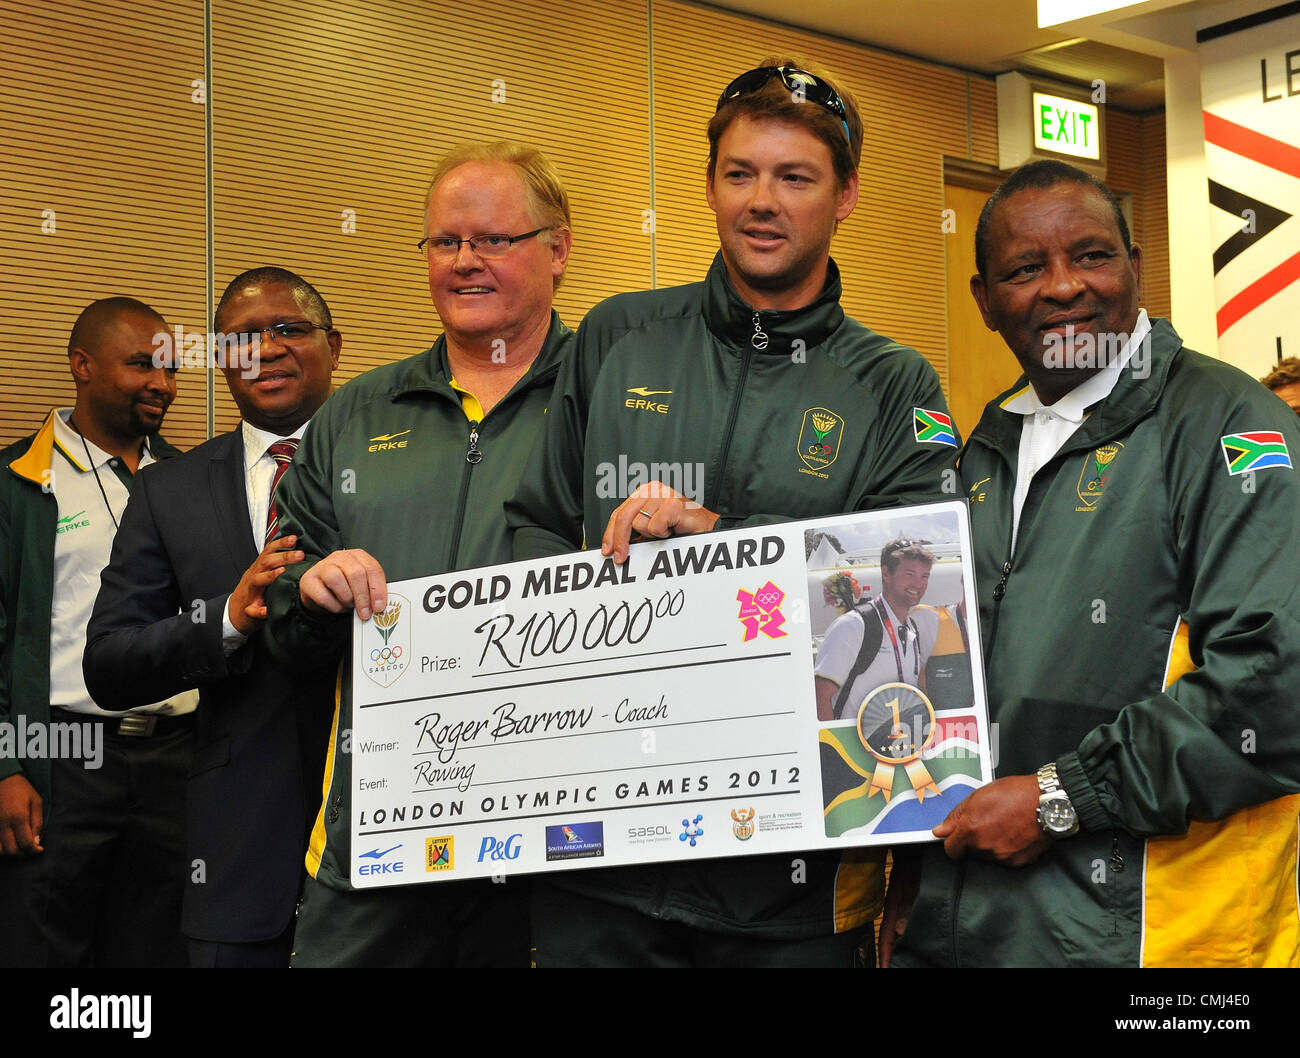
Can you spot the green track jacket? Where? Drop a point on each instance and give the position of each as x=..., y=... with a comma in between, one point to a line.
x=384, y=468
x=1146, y=554
x=29, y=515
x=672, y=383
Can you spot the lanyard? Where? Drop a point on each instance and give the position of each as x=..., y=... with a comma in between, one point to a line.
x=886, y=619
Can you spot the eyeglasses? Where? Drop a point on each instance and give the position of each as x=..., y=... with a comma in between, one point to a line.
x=802, y=85
x=290, y=331
x=445, y=247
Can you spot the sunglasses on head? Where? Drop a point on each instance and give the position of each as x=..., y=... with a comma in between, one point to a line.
x=802, y=85
x=901, y=545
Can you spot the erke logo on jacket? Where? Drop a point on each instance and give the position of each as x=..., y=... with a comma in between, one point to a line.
x=387, y=441
x=644, y=403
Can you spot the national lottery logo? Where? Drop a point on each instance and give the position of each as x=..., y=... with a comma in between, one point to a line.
x=386, y=641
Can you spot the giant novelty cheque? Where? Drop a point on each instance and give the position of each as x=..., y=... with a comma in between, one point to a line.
x=568, y=712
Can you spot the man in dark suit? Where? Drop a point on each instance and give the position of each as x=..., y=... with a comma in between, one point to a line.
x=180, y=606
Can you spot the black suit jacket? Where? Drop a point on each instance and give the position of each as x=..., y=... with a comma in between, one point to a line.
x=261, y=732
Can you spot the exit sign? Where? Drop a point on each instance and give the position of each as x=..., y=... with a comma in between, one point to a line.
x=1040, y=119
x=1066, y=126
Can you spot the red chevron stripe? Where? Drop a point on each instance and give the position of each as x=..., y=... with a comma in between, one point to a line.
x=1276, y=154
x=1253, y=296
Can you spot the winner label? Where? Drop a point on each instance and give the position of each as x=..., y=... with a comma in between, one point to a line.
x=797, y=686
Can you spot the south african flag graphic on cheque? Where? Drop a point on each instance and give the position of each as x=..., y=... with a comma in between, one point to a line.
x=866, y=791
x=1255, y=450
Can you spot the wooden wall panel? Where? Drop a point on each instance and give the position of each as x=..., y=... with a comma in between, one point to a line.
x=320, y=107
x=983, y=120
x=1136, y=165
x=1155, y=230
x=377, y=91
x=97, y=125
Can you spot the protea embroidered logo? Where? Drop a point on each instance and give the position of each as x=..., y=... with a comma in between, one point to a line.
x=819, y=438
x=386, y=638
x=1095, y=473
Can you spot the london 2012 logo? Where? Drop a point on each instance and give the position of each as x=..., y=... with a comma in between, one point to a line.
x=386, y=642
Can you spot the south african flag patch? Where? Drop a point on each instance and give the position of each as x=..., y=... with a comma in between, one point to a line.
x=1255, y=450
x=934, y=427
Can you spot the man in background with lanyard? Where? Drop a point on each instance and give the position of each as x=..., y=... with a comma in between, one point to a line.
x=87, y=878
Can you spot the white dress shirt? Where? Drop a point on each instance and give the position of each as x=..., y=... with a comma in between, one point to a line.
x=259, y=472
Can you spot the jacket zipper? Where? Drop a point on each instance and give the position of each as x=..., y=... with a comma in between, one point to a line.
x=999, y=590
x=748, y=355
x=473, y=455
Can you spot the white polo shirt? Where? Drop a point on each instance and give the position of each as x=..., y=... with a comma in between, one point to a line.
x=899, y=659
x=1048, y=426
x=82, y=546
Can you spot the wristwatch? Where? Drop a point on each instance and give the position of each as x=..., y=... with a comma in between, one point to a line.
x=1056, y=815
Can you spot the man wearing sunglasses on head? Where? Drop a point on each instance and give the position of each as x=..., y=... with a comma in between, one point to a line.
x=405, y=476
x=181, y=606
x=791, y=410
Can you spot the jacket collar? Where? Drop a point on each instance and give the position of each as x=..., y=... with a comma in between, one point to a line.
x=731, y=318
x=34, y=464
x=1132, y=399
x=431, y=372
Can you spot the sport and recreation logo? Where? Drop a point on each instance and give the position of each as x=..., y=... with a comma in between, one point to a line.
x=742, y=823
x=933, y=427
x=386, y=642
x=691, y=830
x=819, y=438
x=1255, y=450
x=1096, y=472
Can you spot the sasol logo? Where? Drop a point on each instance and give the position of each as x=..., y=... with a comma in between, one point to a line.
x=649, y=832
x=492, y=849
x=377, y=866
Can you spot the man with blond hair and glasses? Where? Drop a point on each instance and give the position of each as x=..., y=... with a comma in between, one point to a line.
x=403, y=475
x=794, y=411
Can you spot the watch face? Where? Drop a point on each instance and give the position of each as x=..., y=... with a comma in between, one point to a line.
x=1058, y=815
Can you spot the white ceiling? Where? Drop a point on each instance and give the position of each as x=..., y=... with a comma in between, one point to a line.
x=988, y=36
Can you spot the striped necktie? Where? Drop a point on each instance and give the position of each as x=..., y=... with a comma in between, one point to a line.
x=282, y=452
